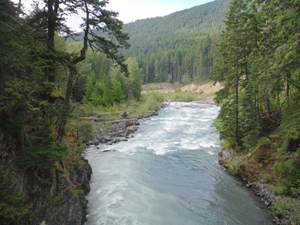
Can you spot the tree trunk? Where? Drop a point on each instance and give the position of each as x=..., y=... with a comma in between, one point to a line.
x=287, y=89
x=52, y=23
x=72, y=73
x=237, y=135
x=1, y=83
x=62, y=125
x=267, y=103
x=19, y=7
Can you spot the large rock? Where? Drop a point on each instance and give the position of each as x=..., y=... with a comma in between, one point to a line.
x=131, y=130
x=118, y=139
x=104, y=139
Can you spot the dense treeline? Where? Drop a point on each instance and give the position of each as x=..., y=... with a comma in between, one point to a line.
x=259, y=67
x=177, y=47
x=101, y=83
x=180, y=46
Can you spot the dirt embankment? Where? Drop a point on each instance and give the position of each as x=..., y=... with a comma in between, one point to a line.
x=205, y=88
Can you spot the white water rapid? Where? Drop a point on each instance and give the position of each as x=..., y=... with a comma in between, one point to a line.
x=168, y=174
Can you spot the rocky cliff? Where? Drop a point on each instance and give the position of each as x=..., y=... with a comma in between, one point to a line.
x=54, y=196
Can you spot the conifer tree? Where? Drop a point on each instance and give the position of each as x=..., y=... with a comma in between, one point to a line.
x=232, y=66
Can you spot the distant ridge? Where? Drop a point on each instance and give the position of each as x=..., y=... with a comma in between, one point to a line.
x=179, y=45
x=189, y=23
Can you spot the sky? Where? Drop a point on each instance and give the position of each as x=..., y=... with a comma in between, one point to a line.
x=132, y=10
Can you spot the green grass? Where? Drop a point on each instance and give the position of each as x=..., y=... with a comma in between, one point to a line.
x=151, y=101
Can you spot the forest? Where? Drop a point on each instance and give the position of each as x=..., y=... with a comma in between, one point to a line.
x=47, y=80
x=178, y=47
x=258, y=64
x=49, y=73
x=43, y=175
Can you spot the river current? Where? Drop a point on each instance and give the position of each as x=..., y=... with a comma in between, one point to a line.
x=168, y=174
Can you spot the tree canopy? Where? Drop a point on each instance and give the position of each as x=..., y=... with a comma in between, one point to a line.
x=258, y=63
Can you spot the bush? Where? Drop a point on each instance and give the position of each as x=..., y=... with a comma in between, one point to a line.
x=234, y=167
x=153, y=101
x=280, y=190
x=12, y=203
x=288, y=170
x=41, y=152
x=82, y=129
x=286, y=208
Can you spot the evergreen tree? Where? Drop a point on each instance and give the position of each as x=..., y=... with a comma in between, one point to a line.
x=232, y=66
x=135, y=79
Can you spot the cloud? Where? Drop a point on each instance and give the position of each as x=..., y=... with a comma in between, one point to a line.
x=131, y=10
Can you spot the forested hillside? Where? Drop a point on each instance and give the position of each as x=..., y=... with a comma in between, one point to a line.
x=179, y=46
x=259, y=67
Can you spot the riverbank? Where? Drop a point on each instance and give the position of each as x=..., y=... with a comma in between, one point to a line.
x=124, y=127
x=118, y=123
x=110, y=131
x=258, y=177
x=114, y=131
x=174, y=136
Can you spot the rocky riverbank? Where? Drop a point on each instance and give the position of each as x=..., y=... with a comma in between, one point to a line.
x=121, y=129
x=240, y=166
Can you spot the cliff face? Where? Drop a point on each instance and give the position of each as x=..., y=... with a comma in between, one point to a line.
x=41, y=196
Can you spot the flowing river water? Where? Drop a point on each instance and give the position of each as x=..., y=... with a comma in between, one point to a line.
x=168, y=174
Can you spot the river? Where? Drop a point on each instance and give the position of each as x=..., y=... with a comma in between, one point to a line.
x=168, y=174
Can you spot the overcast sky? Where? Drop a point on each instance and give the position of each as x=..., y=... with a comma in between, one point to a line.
x=132, y=10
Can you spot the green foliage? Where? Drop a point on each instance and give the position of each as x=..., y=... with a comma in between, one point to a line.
x=234, y=167
x=280, y=190
x=14, y=124
x=135, y=79
x=117, y=92
x=12, y=204
x=34, y=61
x=77, y=192
x=57, y=200
x=183, y=96
x=288, y=170
x=286, y=208
x=290, y=127
x=181, y=43
x=41, y=152
x=82, y=129
x=153, y=100
x=170, y=79
x=256, y=66
x=107, y=89
x=185, y=79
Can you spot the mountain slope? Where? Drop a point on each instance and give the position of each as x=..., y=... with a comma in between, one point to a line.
x=178, y=46
x=186, y=25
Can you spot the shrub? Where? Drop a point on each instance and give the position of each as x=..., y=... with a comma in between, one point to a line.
x=288, y=170
x=280, y=190
x=12, y=203
x=41, y=151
